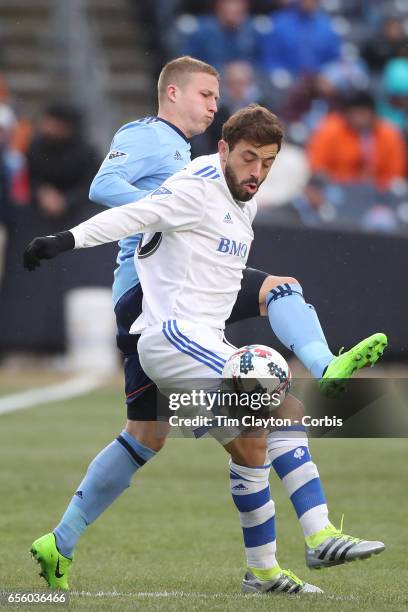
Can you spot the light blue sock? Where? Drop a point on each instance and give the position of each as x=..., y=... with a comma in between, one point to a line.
x=108, y=475
x=297, y=326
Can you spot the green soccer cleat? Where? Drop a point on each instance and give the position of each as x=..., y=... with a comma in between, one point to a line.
x=332, y=547
x=285, y=582
x=54, y=566
x=341, y=368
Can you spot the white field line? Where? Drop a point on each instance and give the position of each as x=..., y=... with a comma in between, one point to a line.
x=74, y=387
x=186, y=594
x=154, y=594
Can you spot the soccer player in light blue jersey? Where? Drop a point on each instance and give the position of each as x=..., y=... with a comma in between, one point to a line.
x=142, y=155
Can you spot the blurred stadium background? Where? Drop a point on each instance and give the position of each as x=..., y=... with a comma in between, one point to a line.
x=333, y=213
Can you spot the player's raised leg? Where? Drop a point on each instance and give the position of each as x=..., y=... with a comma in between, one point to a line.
x=365, y=353
x=295, y=323
x=289, y=454
x=297, y=326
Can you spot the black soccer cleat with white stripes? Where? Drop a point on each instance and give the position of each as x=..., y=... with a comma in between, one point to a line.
x=339, y=548
x=285, y=582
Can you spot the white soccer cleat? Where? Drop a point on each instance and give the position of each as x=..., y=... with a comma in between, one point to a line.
x=285, y=582
x=337, y=548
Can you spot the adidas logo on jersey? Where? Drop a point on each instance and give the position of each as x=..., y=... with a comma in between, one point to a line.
x=116, y=154
x=299, y=452
x=161, y=193
x=178, y=155
x=228, y=218
x=240, y=487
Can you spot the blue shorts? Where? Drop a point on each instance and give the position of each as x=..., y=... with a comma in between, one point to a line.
x=139, y=389
x=141, y=392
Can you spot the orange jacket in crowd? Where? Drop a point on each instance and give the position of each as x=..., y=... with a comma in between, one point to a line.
x=336, y=150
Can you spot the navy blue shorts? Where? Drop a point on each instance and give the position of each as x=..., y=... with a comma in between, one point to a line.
x=141, y=392
x=139, y=389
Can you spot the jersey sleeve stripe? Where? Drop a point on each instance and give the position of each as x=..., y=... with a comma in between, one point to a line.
x=203, y=170
x=209, y=173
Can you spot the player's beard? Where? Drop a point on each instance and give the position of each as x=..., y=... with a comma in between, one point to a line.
x=236, y=188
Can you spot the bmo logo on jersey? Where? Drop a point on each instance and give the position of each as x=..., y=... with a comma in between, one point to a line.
x=232, y=247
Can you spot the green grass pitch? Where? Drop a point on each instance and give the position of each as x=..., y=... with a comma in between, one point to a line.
x=173, y=540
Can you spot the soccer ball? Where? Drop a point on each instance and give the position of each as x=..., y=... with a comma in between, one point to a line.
x=258, y=368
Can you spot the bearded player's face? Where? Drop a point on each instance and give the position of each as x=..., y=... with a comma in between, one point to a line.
x=246, y=167
x=197, y=102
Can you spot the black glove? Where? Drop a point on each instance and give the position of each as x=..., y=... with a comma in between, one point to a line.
x=47, y=247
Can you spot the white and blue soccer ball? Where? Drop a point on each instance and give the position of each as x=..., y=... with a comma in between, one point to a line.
x=258, y=368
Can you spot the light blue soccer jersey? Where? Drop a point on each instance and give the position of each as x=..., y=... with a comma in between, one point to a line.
x=143, y=154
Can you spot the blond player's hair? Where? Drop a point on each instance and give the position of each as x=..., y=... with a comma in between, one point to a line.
x=178, y=71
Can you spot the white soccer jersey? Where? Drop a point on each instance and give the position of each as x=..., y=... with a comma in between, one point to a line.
x=194, y=249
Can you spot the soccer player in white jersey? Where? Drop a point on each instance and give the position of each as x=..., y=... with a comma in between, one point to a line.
x=197, y=234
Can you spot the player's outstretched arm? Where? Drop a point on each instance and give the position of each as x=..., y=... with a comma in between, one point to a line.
x=47, y=247
x=178, y=206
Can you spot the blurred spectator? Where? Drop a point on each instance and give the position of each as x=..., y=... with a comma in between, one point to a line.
x=149, y=11
x=309, y=208
x=312, y=205
x=4, y=216
x=356, y=145
x=22, y=130
x=5, y=205
x=13, y=179
x=61, y=164
x=14, y=162
x=4, y=94
x=154, y=18
x=314, y=96
x=380, y=218
x=394, y=103
x=197, y=7
x=239, y=88
x=388, y=43
x=287, y=178
x=22, y=134
x=263, y=6
x=301, y=41
x=227, y=35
